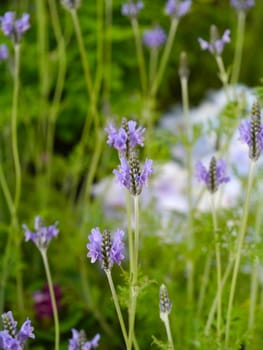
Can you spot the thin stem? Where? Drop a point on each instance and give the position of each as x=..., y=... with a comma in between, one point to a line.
x=117, y=307
x=14, y=128
x=134, y=287
x=153, y=64
x=241, y=23
x=166, y=322
x=190, y=238
x=218, y=267
x=204, y=282
x=6, y=191
x=130, y=236
x=240, y=240
x=52, y=296
x=255, y=272
x=215, y=302
x=223, y=75
x=165, y=57
x=100, y=49
x=139, y=52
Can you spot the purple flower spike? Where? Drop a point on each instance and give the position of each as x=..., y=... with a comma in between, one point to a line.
x=78, y=341
x=3, y=52
x=177, y=8
x=251, y=132
x=131, y=176
x=132, y=9
x=155, y=37
x=126, y=138
x=43, y=234
x=242, y=5
x=216, y=44
x=214, y=176
x=9, y=338
x=14, y=28
x=106, y=249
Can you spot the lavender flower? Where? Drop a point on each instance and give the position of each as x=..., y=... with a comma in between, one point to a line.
x=106, y=249
x=132, y=9
x=126, y=138
x=71, y=4
x=251, y=132
x=10, y=339
x=214, y=176
x=216, y=44
x=3, y=52
x=131, y=176
x=79, y=341
x=242, y=5
x=43, y=234
x=14, y=28
x=177, y=8
x=154, y=38
x=165, y=302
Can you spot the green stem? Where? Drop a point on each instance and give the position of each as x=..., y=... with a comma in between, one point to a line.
x=255, y=272
x=52, y=296
x=153, y=64
x=190, y=238
x=140, y=56
x=166, y=322
x=108, y=52
x=134, y=287
x=165, y=57
x=204, y=282
x=215, y=302
x=117, y=307
x=14, y=128
x=239, y=47
x=100, y=53
x=218, y=268
x=223, y=75
x=240, y=240
x=130, y=237
x=6, y=192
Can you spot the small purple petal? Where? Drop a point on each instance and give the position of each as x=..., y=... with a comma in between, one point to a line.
x=201, y=173
x=22, y=24
x=221, y=172
x=117, y=248
x=215, y=47
x=25, y=332
x=3, y=52
x=131, y=9
x=123, y=173
x=145, y=174
x=94, y=247
x=242, y=5
x=244, y=131
x=177, y=8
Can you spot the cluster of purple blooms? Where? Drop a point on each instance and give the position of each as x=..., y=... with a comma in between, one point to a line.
x=79, y=341
x=214, y=176
x=216, y=44
x=177, y=8
x=154, y=38
x=42, y=235
x=132, y=9
x=14, y=28
x=105, y=248
x=242, y=5
x=10, y=338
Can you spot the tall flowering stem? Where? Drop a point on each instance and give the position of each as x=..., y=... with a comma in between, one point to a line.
x=240, y=240
x=184, y=75
x=165, y=56
x=241, y=24
x=42, y=238
x=117, y=307
x=165, y=309
x=52, y=297
x=218, y=268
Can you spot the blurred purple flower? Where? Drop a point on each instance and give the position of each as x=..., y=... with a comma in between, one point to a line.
x=3, y=52
x=131, y=176
x=43, y=234
x=14, y=28
x=214, y=176
x=71, y=4
x=10, y=339
x=251, y=132
x=216, y=45
x=177, y=8
x=126, y=137
x=131, y=9
x=79, y=341
x=242, y=5
x=155, y=37
x=106, y=249
x=42, y=302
